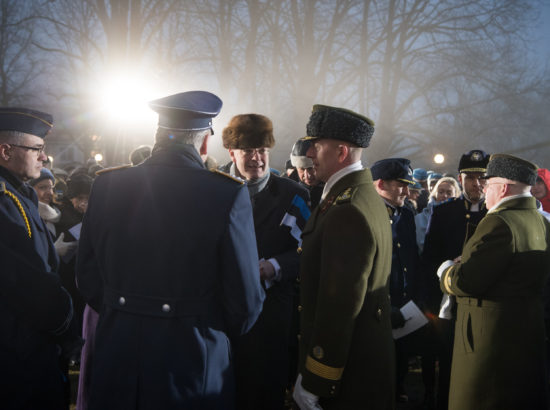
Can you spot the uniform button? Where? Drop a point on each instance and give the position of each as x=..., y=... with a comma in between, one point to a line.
x=299, y=251
x=379, y=313
x=404, y=269
x=298, y=279
x=391, y=222
x=121, y=301
x=398, y=245
x=467, y=216
x=300, y=308
x=166, y=308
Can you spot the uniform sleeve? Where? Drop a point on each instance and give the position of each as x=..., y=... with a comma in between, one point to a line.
x=485, y=256
x=347, y=255
x=34, y=295
x=88, y=277
x=243, y=295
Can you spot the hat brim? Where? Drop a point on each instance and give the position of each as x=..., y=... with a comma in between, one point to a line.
x=406, y=181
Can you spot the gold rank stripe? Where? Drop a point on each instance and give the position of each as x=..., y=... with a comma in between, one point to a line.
x=322, y=370
x=447, y=283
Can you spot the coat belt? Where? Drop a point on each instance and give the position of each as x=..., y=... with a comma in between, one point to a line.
x=156, y=306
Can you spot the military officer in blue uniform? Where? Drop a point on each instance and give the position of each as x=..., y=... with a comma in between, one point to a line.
x=35, y=311
x=451, y=225
x=167, y=256
x=392, y=177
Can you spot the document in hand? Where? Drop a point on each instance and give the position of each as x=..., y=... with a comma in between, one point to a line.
x=414, y=319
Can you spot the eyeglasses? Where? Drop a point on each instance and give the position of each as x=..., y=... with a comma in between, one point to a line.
x=38, y=150
x=250, y=152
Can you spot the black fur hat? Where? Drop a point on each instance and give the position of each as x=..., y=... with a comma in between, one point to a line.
x=510, y=167
x=339, y=124
x=248, y=131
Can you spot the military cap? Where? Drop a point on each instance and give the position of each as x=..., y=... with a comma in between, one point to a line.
x=298, y=156
x=246, y=131
x=25, y=120
x=473, y=161
x=45, y=173
x=393, y=168
x=510, y=167
x=420, y=174
x=339, y=124
x=190, y=110
x=415, y=186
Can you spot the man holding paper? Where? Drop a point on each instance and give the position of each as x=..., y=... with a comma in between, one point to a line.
x=392, y=177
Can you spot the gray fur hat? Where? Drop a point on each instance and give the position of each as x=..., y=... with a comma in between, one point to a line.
x=510, y=167
x=339, y=124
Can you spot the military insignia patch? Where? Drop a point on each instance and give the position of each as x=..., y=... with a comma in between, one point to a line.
x=345, y=196
x=318, y=352
x=236, y=179
x=326, y=204
x=476, y=156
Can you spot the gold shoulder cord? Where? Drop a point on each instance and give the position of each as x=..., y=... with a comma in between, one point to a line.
x=21, y=210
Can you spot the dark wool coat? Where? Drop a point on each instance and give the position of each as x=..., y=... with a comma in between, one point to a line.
x=346, y=348
x=498, y=357
x=261, y=356
x=33, y=305
x=450, y=226
x=167, y=257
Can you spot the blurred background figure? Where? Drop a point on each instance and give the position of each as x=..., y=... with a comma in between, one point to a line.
x=444, y=189
x=541, y=189
x=420, y=175
x=140, y=154
x=43, y=185
x=307, y=175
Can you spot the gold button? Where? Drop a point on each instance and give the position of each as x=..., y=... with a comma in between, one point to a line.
x=318, y=352
x=398, y=245
x=391, y=222
x=404, y=269
x=467, y=216
x=166, y=308
x=299, y=251
x=121, y=301
x=379, y=313
x=300, y=308
x=298, y=336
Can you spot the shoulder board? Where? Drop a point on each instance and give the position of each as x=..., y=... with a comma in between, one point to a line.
x=236, y=179
x=2, y=187
x=105, y=170
x=345, y=196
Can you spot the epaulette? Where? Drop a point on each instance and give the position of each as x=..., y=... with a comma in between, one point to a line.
x=345, y=196
x=105, y=170
x=2, y=187
x=225, y=174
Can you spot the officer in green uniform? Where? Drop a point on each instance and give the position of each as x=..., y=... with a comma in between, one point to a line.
x=498, y=355
x=346, y=346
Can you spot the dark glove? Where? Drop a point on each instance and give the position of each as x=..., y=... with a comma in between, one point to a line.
x=397, y=319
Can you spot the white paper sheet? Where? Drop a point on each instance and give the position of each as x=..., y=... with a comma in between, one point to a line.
x=414, y=319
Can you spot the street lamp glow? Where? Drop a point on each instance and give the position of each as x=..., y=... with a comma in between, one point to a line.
x=439, y=158
x=124, y=98
x=98, y=157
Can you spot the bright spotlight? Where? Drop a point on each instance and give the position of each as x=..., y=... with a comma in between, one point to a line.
x=124, y=98
x=98, y=157
x=439, y=158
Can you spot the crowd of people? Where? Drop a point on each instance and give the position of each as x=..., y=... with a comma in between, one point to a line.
x=172, y=282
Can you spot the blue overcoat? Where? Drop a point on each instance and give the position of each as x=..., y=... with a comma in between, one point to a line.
x=34, y=308
x=168, y=257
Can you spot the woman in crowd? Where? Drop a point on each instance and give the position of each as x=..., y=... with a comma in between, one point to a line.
x=541, y=188
x=445, y=189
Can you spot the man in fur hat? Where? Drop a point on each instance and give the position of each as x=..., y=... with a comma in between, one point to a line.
x=261, y=356
x=498, y=355
x=346, y=348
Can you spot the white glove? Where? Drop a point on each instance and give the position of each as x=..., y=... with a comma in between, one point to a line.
x=304, y=399
x=443, y=267
x=63, y=248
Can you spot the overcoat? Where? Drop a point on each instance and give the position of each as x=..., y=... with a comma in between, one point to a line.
x=498, y=357
x=33, y=305
x=346, y=346
x=261, y=356
x=167, y=256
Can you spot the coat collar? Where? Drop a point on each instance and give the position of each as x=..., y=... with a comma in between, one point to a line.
x=517, y=202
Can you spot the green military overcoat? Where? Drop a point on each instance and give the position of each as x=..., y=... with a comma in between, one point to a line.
x=499, y=348
x=346, y=345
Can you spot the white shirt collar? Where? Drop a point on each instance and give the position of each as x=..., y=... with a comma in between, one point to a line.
x=509, y=198
x=334, y=178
